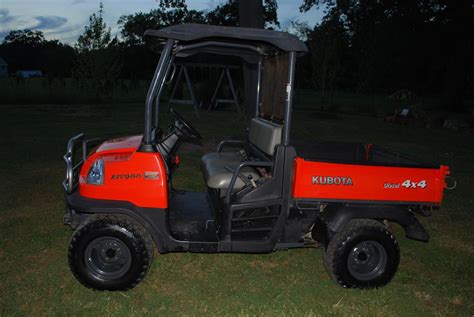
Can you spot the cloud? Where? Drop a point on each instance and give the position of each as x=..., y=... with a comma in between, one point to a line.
x=3, y=34
x=49, y=22
x=5, y=16
x=68, y=33
x=78, y=1
x=6, y=21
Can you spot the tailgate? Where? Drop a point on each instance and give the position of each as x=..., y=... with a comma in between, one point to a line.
x=346, y=182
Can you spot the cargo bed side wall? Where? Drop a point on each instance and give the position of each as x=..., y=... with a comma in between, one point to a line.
x=334, y=181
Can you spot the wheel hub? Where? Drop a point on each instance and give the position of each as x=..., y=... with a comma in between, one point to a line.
x=108, y=258
x=110, y=253
x=367, y=260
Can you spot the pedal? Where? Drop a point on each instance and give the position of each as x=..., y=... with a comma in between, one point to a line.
x=252, y=181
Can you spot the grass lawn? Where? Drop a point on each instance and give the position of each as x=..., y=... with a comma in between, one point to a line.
x=433, y=279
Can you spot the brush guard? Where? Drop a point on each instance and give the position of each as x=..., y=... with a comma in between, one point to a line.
x=73, y=168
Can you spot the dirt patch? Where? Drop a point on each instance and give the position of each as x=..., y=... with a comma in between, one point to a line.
x=264, y=264
x=423, y=296
x=458, y=245
x=456, y=301
x=44, y=258
x=189, y=271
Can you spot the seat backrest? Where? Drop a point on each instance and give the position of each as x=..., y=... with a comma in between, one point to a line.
x=265, y=135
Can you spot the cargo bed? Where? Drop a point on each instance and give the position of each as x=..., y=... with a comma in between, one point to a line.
x=365, y=173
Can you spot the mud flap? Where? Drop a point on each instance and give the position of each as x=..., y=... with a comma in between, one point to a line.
x=416, y=231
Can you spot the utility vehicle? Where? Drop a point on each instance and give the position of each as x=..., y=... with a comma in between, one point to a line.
x=264, y=193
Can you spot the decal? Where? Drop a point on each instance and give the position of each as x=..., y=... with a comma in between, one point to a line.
x=407, y=184
x=126, y=176
x=410, y=184
x=151, y=175
x=288, y=91
x=332, y=180
x=121, y=157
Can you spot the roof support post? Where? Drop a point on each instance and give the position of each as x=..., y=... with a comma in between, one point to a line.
x=259, y=83
x=158, y=78
x=289, y=97
x=189, y=83
x=156, y=123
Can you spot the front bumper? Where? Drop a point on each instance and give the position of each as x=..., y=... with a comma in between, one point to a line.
x=73, y=204
x=75, y=144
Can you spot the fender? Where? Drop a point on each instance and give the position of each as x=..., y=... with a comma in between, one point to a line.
x=335, y=216
x=152, y=219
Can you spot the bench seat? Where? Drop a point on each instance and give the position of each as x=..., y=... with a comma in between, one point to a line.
x=218, y=167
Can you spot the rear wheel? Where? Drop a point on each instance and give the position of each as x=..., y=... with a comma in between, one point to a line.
x=363, y=254
x=110, y=253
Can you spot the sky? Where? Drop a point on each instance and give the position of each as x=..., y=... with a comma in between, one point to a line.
x=65, y=19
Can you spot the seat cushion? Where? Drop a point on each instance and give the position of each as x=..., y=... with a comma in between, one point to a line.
x=221, y=159
x=265, y=135
x=219, y=177
x=216, y=175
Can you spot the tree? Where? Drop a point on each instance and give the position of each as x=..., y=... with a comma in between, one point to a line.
x=169, y=12
x=26, y=49
x=96, y=35
x=328, y=43
x=251, y=14
x=247, y=13
x=301, y=29
x=226, y=14
x=422, y=45
x=21, y=48
x=57, y=59
x=459, y=17
x=25, y=37
x=98, y=63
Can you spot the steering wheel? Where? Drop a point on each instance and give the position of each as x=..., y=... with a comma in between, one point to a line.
x=184, y=126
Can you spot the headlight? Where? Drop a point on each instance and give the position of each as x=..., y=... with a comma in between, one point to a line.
x=96, y=173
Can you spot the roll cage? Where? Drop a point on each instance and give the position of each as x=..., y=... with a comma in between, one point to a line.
x=249, y=44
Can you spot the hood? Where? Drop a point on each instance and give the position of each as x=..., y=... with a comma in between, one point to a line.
x=124, y=144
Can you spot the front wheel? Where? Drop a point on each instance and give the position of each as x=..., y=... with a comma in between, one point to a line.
x=110, y=253
x=363, y=254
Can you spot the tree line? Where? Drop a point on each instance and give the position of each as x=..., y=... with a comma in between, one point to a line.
x=425, y=46
x=367, y=46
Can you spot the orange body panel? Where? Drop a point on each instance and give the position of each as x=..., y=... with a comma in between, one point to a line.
x=136, y=177
x=334, y=181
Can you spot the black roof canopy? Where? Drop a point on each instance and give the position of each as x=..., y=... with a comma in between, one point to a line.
x=194, y=32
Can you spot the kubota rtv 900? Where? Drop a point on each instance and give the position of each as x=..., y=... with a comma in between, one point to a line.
x=265, y=193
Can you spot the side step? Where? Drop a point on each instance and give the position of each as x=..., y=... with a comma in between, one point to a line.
x=252, y=229
x=254, y=218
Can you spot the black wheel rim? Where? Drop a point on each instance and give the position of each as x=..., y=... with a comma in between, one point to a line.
x=367, y=260
x=108, y=258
